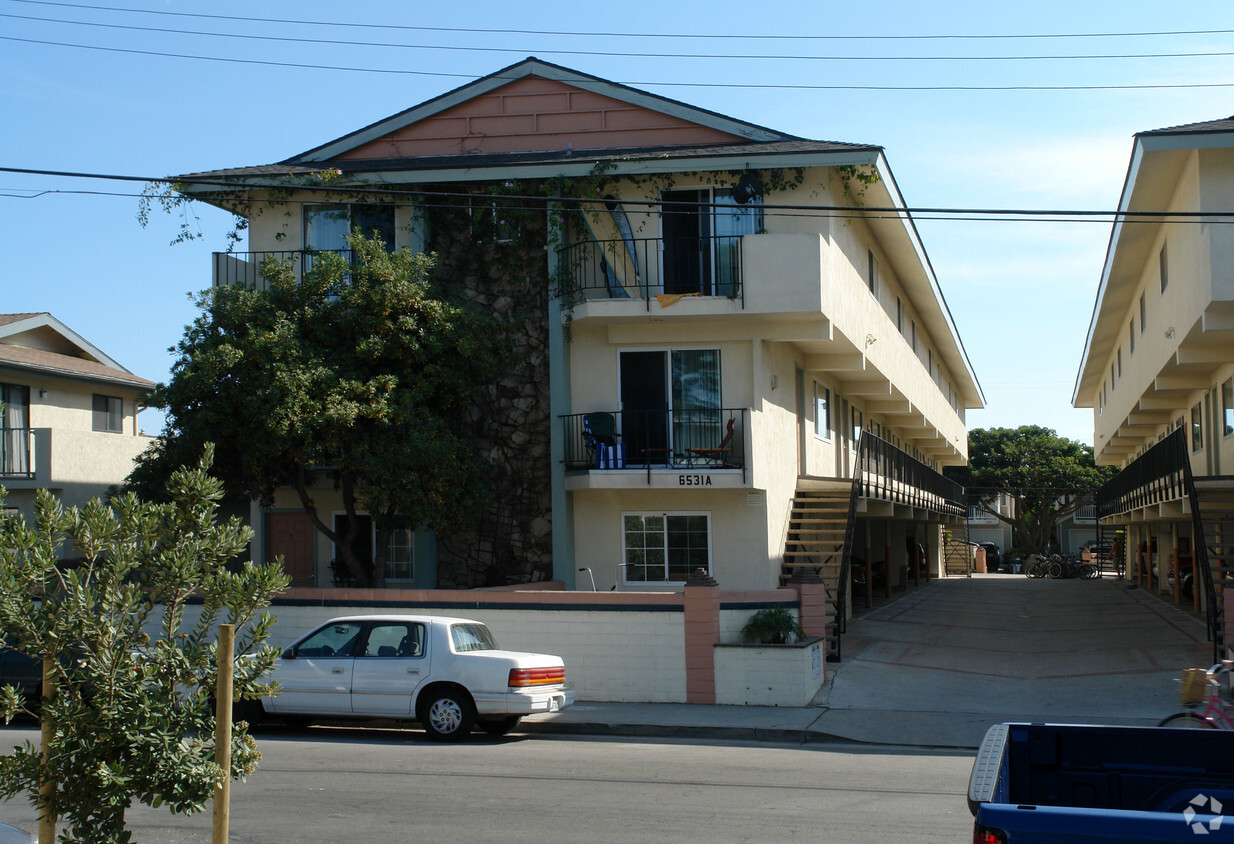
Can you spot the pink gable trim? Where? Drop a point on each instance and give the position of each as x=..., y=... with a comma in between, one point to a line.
x=537, y=115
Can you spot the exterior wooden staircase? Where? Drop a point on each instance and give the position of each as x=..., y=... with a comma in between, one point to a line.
x=957, y=551
x=818, y=530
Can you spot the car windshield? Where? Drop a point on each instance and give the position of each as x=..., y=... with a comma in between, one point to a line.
x=471, y=637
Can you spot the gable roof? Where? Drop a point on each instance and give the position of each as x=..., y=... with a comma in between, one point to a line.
x=1157, y=160
x=535, y=118
x=568, y=104
x=38, y=342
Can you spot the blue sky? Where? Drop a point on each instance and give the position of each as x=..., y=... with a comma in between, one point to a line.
x=1021, y=293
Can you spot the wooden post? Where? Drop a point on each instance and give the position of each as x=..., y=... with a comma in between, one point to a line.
x=222, y=732
x=47, y=790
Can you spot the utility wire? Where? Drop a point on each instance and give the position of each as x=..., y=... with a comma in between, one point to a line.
x=648, y=84
x=537, y=202
x=619, y=54
x=639, y=35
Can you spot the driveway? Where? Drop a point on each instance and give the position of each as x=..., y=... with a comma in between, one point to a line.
x=940, y=665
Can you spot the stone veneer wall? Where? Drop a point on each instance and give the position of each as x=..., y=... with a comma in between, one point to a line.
x=510, y=540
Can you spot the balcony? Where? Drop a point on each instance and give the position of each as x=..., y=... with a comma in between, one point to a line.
x=642, y=268
x=688, y=442
x=16, y=454
x=64, y=459
x=886, y=473
x=244, y=268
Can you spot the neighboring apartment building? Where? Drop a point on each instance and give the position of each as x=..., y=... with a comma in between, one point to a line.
x=1158, y=364
x=705, y=333
x=69, y=418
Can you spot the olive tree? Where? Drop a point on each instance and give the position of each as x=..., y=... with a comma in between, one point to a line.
x=121, y=600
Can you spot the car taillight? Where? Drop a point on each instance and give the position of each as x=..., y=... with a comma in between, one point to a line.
x=988, y=835
x=523, y=677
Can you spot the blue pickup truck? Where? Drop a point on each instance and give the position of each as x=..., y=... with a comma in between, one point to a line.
x=1064, y=783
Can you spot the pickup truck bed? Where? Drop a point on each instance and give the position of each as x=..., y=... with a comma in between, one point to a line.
x=1064, y=783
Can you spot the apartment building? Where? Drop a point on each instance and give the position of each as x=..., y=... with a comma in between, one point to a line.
x=68, y=413
x=1158, y=363
x=732, y=353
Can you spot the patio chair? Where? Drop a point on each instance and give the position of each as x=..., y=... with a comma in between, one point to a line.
x=718, y=456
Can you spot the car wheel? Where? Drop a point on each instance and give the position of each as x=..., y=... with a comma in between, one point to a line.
x=448, y=715
x=499, y=726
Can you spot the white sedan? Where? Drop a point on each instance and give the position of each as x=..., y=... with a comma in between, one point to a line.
x=446, y=673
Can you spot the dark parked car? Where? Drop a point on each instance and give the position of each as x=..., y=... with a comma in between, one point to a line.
x=993, y=558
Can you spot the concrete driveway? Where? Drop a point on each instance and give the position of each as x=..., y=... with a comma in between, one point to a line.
x=939, y=666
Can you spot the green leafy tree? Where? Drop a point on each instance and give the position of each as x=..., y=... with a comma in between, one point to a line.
x=131, y=716
x=1047, y=476
x=356, y=376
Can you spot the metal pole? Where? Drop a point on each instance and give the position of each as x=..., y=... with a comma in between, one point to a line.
x=47, y=791
x=222, y=732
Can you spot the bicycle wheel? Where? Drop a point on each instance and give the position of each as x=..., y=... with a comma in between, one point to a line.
x=1187, y=721
x=1056, y=570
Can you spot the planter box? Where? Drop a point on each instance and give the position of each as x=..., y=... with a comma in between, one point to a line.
x=770, y=675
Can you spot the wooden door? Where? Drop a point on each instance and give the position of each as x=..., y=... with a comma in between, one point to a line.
x=291, y=534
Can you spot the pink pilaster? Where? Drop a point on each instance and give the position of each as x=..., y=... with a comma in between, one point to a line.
x=701, y=605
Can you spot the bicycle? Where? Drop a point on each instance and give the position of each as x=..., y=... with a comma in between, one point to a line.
x=1217, y=714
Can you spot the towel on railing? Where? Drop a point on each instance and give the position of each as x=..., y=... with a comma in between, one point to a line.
x=666, y=299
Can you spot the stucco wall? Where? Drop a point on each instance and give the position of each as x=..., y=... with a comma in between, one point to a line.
x=617, y=647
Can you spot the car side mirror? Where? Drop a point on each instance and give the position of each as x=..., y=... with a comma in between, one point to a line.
x=290, y=653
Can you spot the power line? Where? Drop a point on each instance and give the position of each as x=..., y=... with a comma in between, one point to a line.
x=640, y=35
x=883, y=212
x=649, y=84
x=619, y=54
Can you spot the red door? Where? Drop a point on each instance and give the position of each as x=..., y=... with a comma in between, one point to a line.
x=291, y=534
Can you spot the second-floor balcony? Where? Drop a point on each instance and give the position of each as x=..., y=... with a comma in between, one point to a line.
x=16, y=453
x=696, y=441
x=244, y=268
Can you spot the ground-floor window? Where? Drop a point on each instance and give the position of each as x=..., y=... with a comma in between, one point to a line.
x=665, y=547
x=400, y=556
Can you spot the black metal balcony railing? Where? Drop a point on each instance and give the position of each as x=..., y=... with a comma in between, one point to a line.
x=694, y=440
x=1163, y=473
x=1157, y=476
x=16, y=453
x=244, y=268
x=639, y=268
x=887, y=473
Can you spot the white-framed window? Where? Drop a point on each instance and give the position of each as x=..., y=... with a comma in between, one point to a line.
x=400, y=551
x=1197, y=427
x=665, y=547
x=701, y=231
x=1143, y=313
x=1163, y=268
x=326, y=225
x=872, y=272
x=401, y=555
x=822, y=411
x=1131, y=335
x=857, y=425
x=900, y=315
x=670, y=402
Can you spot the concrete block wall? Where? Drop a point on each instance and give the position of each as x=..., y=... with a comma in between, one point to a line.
x=627, y=647
x=770, y=675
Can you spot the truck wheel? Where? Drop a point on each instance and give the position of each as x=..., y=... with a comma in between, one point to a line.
x=499, y=726
x=448, y=715
x=1186, y=721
